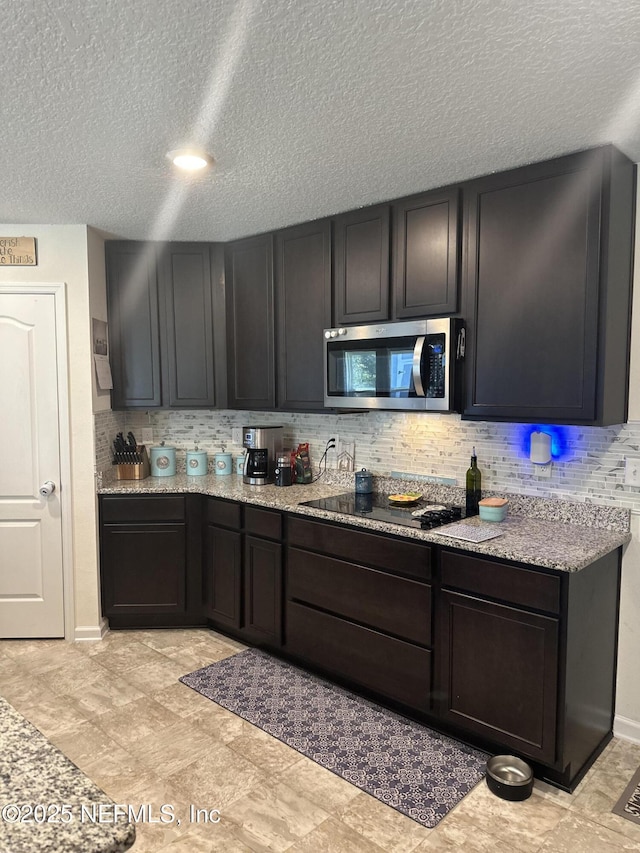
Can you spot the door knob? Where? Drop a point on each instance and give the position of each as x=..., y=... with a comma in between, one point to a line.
x=47, y=488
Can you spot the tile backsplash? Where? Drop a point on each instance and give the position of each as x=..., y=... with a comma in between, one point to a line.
x=588, y=462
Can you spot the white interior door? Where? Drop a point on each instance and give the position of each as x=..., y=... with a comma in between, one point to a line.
x=31, y=565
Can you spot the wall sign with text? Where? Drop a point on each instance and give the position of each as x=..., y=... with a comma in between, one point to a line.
x=18, y=252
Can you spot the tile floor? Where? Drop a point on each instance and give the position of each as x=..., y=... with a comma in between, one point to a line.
x=117, y=710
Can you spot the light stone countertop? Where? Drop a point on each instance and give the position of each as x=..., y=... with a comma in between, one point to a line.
x=537, y=541
x=34, y=772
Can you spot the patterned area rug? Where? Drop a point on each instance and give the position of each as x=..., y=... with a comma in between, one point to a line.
x=415, y=770
x=629, y=803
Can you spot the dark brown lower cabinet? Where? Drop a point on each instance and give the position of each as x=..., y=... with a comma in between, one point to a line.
x=500, y=668
x=511, y=657
x=150, y=559
x=358, y=606
x=223, y=574
x=263, y=590
x=223, y=563
x=243, y=571
x=526, y=659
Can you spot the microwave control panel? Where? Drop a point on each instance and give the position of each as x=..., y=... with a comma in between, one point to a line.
x=434, y=365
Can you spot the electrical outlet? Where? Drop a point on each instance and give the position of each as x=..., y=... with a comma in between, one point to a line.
x=632, y=471
x=236, y=435
x=332, y=452
x=146, y=435
x=543, y=471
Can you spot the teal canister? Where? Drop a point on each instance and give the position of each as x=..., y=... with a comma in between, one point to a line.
x=163, y=461
x=196, y=462
x=223, y=463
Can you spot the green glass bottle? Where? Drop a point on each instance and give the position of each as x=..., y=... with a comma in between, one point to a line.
x=474, y=485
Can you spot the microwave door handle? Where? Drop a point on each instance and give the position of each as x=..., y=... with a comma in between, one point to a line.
x=417, y=366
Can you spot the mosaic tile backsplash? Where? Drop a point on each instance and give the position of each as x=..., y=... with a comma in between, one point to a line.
x=588, y=462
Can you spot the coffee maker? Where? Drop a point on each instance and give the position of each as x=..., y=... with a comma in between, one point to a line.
x=263, y=444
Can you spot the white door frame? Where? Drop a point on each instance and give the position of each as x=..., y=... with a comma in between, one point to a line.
x=59, y=291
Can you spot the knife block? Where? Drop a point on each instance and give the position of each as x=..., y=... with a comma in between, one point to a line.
x=137, y=470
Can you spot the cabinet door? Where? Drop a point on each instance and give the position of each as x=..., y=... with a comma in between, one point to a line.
x=499, y=667
x=532, y=289
x=263, y=590
x=144, y=569
x=250, y=344
x=224, y=576
x=425, y=254
x=187, y=325
x=361, y=265
x=134, y=338
x=303, y=292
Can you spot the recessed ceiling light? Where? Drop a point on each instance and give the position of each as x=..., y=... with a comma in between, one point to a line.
x=190, y=159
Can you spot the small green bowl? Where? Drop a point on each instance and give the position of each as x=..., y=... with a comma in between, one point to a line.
x=493, y=513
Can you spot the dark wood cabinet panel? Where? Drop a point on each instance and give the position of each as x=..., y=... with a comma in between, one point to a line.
x=151, y=560
x=547, y=310
x=134, y=332
x=223, y=576
x=128, y=508
x=184, y=274
x=244, y=571
x=162, y=326
x=396, y=605
x=154, y=584
x=426, y=252
x=500, y=669
x=303, y=294
x=511, y=584
x=224, y=513
x=361, y=265
x=250, y=323
x=266, y=523
x=263, y=590
x=384, y=552
x=383, y=664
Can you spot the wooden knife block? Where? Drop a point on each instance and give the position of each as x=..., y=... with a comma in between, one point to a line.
x=135, y=471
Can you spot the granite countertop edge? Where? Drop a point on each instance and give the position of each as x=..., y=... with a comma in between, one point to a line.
x=35, y=772
x=536, y=541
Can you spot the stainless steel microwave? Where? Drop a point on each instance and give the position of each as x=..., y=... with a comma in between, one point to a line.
x=404, y=365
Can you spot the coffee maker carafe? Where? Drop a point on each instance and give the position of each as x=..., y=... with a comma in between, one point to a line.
x=263, y=444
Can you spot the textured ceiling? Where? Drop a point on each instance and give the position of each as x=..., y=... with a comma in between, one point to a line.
x=310, y=107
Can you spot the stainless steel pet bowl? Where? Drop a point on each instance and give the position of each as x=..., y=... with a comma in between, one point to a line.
x=509, y=777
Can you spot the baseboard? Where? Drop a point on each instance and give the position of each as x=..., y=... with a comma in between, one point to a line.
x=626, y=729
x=91, y=633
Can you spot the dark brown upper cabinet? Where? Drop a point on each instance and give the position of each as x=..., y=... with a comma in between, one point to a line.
x=426, y=251
x=186, y=313
x=160, y=302
x=134, y=329
x=250, y=319
x=303, y=298
x=547, y=281
x=361, y=265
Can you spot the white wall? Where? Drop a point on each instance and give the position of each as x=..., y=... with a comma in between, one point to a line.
x=628, y=695
x=62, y=257
x=98, y=305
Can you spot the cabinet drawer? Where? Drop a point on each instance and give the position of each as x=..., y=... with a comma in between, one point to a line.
x=387, y=666
x=389, y=603
x=263, y=522
x=358, y=546
x=224, y=513
x=523, y=587
x=150, y=508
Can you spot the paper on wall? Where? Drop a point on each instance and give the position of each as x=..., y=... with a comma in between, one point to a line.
x=103, y=372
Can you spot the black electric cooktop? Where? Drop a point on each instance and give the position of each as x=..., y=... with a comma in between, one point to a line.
x=423, y=514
